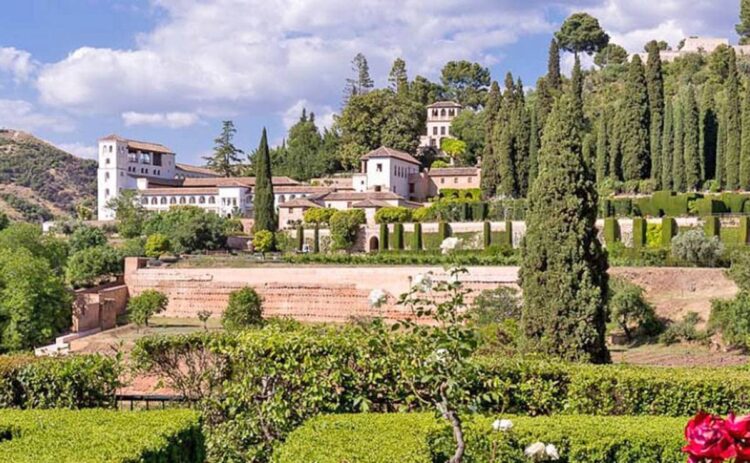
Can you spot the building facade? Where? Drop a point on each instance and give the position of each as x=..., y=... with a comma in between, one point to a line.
x=440, y=115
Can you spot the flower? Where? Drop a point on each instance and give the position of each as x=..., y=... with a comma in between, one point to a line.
x=551, y=452
x=377, y=298
x=709, y=439
x=502, y=425
x=536, y=451
x=441, y=355
x=739, y=430
x=449, y=244
x=422, y=282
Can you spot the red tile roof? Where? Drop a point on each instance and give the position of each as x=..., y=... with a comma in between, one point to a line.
x=196, y=169
x=139, y=145
x=300, y=202
x=453, y=172
x=384, y=152
x=444, y=104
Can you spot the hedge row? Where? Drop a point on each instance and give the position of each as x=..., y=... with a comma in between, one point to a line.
x=490, y=256
x=65, y=382
x=420, y=438
x=95, y=436
x=663, y=203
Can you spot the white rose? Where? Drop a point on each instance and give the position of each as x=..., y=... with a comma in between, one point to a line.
x=449, y=244
x=536, y=451
x=551, y=452
x=377, y=298
x=422, y=282
x=502, y=425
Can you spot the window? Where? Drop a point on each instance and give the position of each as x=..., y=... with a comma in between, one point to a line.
x=434, y=112
x=172, y=200
x=379, y=167
x=455, y=179
x=110, y=148
x=451, y=112
x=202, y=200
x=106, y=176
x=442, y=112
x=211, y=200
x=434, y=130
x=182, y=200
x=411, y=188
x=192, y=200
x=442, y=180
x=442, y=130
x=144, y=201
x=106, y=192
x=163, y=200
x=106, y=161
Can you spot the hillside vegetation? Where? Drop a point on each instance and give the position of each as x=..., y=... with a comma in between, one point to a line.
x=39, y=181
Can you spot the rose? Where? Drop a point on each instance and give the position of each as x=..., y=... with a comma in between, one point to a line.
x=708, y=439
x=502, y=425
x=377, y=298
x=739, y=429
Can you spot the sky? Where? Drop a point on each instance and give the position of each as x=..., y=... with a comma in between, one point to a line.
x=170, y=71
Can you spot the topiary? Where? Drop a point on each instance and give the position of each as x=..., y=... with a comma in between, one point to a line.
x=245, y=309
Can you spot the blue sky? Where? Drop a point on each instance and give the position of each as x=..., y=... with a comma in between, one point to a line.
x=171, y=70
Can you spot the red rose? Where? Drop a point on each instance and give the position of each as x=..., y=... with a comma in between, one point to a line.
x=739, y=429
x=708, y=439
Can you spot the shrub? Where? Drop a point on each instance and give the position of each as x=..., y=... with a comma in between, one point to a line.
x=300, y=237
x=685, y=330
x=744, y=233
x=344, y=227
x=263, y=241
x=93, y=436
x=732, y=318
x=316, y=239
x=318, y=215
x=416, y=243
x=85, y=237
x=384, y=237
x=89, y=266
x=611, y=231
x=653, y=235
x=422, y=214
x=398, y=236
x=628, y=308
x=189, y=228
x=133, y=247
x=487, y=234
x=668, y=231
x=145, y=305
x=156, y=245
x=243, y=310
x=639, y=232
x=393, y=215
x=712, y=226
x=694, y=247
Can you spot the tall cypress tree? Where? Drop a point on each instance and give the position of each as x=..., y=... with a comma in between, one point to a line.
x=576, y=81
x=506, y=146
x=733, y=131
x=554, y=78
x=721, y=143
x=635, y=124
x=521, y=135
x=533, y=144
x=655, y=85
x=708, y=128
x=602, y=155
x=614, y=148
x=691, y=151
x=743, y=28
x=667, y=146
x=745, y=151
x=564, y=268
x=490, y=169
x=678, y=166
x=264, y=210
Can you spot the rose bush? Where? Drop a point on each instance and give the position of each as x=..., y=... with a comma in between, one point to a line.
x=711, y=439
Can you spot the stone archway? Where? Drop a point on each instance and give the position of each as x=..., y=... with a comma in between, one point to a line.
x=373, y=244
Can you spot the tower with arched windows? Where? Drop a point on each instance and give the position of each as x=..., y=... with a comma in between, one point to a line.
x=439, y=118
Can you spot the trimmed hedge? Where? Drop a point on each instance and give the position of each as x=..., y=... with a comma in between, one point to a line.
x=744, y=230
x=416, y=238
x=383, y=243
x=668, y=231
x=611, y=231
x=506, y=239
x=712, y=226
x=95, y=436
x=398, y=236
x=444, y=231
x=487, y=234
x=421, y=438
x=640, y=229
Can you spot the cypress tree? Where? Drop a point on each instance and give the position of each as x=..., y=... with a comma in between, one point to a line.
x=721, y=143
x=743, y=28
x=745, y=151
x=521, y=135
x=733, y=131
x=576, y=81
x=655, y=85
x=554, y=78
x=544, y=101
x=263, y=200
x=602, y=158
x=614, y=145
x=678, y=166
x=667, y=146
x=533, y=144
x=564, y=268
x=635, y=124
x=708, y=127
x=691, y=152
x=490, y=174
x=505, y=141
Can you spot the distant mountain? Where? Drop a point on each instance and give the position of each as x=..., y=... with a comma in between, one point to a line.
x=39, y=181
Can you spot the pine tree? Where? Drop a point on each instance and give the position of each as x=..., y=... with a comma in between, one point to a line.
x=708, y=128
x=362, y=82
x=635, y=124
x=564, y=268
x=733, y=131
x=263, y=199
x=691, y=151
x=302, y=157
x=490, y=168
x=226, y=156
x=655, y=85
x=576, y=81
x=745, y=149
x=743, y=28
x=398, y=80
x=554, y=78
x=678, y=165
x=667, y=146
x=602, y=154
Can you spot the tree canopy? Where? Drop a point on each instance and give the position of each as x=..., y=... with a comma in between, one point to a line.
x=581, y=33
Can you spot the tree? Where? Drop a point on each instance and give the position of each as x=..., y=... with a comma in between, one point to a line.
x=733, y=132
x=678, y=147
x=630, y=310
x=576, y=81
x=602, y=161
x=263, y=241
x=469, y=127
x=398, y=80
x=635, y=124
x=263, y=199
x=344, y=226
x=490, y=174
x=84, y=237
x=612, y=54
x=129, y=213
x=244, y=310
x=361, y=83
x=564, y=268
x=655, y=86
x=22, y=235
x=691, y=151
x=190, y=228
x=745, y=142
x=453, y=147
x=156, y=245
x=708, y=133
x=89, y=266
x=424, y=92
x=554, y=77
x=226, y=156
x=466, y=82
x=743, y=28
x=318, y=215
x=302, y=156
x=667, y=147
x=581, y=33
x=145, y=305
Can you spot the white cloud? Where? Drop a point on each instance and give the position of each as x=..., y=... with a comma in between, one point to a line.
x=81, y=150
x=17, y=62
x=174, y=120
x=22, y=115
x=323, y=114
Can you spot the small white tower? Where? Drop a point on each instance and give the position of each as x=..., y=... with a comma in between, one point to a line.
x=439, y=118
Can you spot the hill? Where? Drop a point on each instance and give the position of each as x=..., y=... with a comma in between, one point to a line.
x=39, y=181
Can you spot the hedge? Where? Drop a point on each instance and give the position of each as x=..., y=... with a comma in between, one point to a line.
x=491, y=256
x=487, y=234
x=416, y=238
x=383, y=243
x=300, y=237
x=95, y=436
x=668, y=231
x=444, y=231
x=65, y=382
x=744, y=232
x=611, y=231
x=640, y=229
x=712, y=226
x=398, y=236
x=507, y=238
x=421, y=438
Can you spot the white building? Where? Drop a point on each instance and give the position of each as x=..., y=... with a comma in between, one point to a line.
x=386, y=169
x=700, y=45
x=440, y=115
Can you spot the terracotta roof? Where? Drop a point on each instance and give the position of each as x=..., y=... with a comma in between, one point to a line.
x=361, y=196
x=196, y=169
x=299, y=202
x=140, y=145
x=234, y=181
x=384, y=152
x=178, y=191
x=301, y=189
x=453, y=171
x=444, y=104
x=367, y=203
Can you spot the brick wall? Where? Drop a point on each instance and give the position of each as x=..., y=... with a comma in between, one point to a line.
x=99, y=307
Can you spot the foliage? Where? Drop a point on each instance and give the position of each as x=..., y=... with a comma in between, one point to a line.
x=466, y=83
x=612, y=54
x=93, y=436
x=263, y=199
x=581, y=33
x=306, y=153
x=45, y=246
x=30, y=211
x=695, y=248
x=490, y=256
x=133, y=247
x=263, y=241
x=393, y=215
x=634, y=124
x=145, y=305
x=686, y=330
x=632, y=313
x=84, y=237
x=495, y=306
x=319, y=215
x=156, y=245
x=469, y=127
x=245, y=309
x=226, y=156
x=731, y=318
x=129, y=213
x=453, y=147
x=189, y=229
x=89, y=266
x=344, y=227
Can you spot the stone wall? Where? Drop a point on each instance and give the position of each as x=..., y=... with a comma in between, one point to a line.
x=99, y=307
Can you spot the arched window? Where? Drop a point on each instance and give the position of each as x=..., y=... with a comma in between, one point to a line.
x=442, y=112
x=182, y=200
x=144, y=201
x=282, y=199
x=172, y=200
x=211, y=200
x=163, y=200
x=192, y=200
x=202, y=200
x=154, y=200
